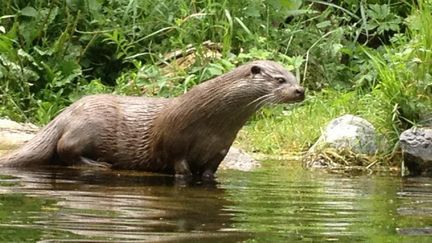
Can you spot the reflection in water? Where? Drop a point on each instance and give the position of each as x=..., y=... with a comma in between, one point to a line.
x=122, y=206
x=285, y=204
x=277, y=203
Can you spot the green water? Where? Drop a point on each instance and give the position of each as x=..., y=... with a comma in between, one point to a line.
x=279, y=203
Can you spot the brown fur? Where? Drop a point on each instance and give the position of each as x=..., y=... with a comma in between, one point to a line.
x=186, y=135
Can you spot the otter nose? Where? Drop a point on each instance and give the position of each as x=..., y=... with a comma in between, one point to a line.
x=300, y=92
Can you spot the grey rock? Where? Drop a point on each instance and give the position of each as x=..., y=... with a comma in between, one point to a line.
x=348, y=132
x=13, y=134
x=237, y=159
x=416, y=145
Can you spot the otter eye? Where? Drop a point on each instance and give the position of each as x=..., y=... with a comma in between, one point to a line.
x=281, y=80
x=255, y=70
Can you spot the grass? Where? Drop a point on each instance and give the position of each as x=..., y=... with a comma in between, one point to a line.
x=371, y=60
x=296, y=127
x=396, y=99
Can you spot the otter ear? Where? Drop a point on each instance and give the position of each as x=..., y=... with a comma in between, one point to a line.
x=255, y=70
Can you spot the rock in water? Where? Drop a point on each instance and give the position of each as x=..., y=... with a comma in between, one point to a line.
x=237, y=159
x=349, y=132
x=13, y=134
x=416, y=145
x=348, y=135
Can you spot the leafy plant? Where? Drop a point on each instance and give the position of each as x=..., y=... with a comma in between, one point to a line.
x=366, y=57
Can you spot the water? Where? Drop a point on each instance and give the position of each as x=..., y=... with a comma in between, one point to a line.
x=279, y=203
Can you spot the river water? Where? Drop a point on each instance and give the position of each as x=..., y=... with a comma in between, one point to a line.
x=281, y=202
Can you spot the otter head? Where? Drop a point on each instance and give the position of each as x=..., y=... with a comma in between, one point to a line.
x=276, y=84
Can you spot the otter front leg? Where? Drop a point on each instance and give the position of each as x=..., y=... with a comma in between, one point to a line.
x=211, y=166
x=182, y=169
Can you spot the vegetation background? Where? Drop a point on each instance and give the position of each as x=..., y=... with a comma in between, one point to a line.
x=369, y=58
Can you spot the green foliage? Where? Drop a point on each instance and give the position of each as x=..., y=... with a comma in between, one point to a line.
x=393, y=91
x=51, y=50
x=381, y=19
x=376, y=52
x=294, y=127
x=404, y=72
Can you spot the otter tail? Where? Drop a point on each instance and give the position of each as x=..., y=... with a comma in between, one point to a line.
x=37, y=151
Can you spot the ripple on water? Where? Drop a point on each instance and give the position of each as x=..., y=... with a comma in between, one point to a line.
x=105, y=206
x=275, y=203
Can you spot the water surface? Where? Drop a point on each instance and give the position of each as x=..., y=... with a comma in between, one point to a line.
x=281, y=202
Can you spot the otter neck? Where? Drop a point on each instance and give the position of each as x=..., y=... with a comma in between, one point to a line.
x=222, y=103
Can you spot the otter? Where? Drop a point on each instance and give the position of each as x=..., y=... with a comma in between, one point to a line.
x=188, y=135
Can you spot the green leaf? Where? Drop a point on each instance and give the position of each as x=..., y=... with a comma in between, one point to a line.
x=253, y=12
x=245, y=28
x=291, y=4
x=29, y=12
x=299, y=12
x=69, y=67
x=252, y=9
x=76, y=4
x=41, y=52
x=323, y=24
x=6, y=46
x=28, y=31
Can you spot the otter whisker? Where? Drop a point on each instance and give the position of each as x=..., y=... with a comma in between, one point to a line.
x=268, y=100
x=260, y=100
x=264, y=102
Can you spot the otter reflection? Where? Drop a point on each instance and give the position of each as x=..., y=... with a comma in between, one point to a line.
x=124, y=205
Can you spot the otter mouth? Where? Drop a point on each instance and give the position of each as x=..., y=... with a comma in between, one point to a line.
x=292, y=96
x=299, y=97
x=292, y=100
x=299, y=94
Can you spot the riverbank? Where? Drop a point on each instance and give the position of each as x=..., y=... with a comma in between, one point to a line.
x=371, y=60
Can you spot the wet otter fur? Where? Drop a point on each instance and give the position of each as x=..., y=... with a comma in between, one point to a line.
x=186, y=135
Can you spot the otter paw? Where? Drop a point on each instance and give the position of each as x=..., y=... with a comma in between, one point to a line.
x=207, y=176
x=183, y=179
x=183, y=176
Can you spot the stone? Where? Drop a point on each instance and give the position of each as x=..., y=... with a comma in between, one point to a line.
x=416, y=145
x=13, y=134
x=237, y=159
x=348, y=132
